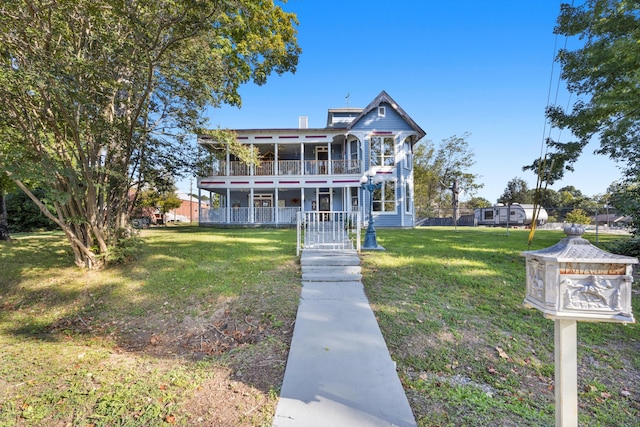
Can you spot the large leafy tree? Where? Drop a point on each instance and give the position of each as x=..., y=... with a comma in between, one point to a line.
x=516, y=191
x=441, y=174
x=97, y=96
x=625, y=198
x=603, y=75
x=478, y=202
x=425, y=177
x=160, y=199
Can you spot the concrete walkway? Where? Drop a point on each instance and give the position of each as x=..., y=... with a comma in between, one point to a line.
x=339, y=371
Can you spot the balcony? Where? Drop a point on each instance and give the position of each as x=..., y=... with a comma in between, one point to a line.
x=289, y=167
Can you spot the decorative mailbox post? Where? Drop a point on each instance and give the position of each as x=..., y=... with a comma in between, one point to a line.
x=570, y=281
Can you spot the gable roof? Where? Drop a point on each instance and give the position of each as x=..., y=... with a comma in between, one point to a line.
x=384, y=97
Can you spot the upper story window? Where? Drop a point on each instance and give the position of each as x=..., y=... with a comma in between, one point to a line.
x=382, y=111
x=382, y=152
x=408, y=156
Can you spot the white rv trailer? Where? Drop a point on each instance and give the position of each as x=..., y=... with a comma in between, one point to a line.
x=515, y=215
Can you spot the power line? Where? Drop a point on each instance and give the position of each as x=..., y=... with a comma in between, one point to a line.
x=544, y=173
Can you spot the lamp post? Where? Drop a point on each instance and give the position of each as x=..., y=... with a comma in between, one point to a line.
x=371, y=182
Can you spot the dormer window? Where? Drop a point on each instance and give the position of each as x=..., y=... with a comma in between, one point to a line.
x=382, y=111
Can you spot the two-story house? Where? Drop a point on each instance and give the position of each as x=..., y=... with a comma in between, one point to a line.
x=321, y=169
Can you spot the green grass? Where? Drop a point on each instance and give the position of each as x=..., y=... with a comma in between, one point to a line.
x=449, y=304
x=137, y=344
x=196, y=332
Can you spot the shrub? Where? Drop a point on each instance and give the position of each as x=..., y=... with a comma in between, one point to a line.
x=127, y=249
x=629, y=247
x=578, y=216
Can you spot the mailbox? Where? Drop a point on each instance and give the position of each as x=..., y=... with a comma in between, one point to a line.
x=575, y=280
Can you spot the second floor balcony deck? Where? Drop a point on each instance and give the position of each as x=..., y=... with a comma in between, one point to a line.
x=288, y=167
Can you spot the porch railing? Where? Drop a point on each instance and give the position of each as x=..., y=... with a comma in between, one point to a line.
x=288, y=167
x=333, y=230
x=248, y=215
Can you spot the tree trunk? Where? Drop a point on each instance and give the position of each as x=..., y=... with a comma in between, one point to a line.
x=77, y=236
x=455, y=191
x=4, y=224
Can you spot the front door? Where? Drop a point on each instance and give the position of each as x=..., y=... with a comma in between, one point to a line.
x=262, y=208
x=324, y=201
x=322, y=160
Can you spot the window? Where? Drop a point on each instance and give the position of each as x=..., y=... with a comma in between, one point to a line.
x=408, y=156
x=407, y=198
x=382, y=111
x=382, y=151
x=384, y=198
x=488, y=214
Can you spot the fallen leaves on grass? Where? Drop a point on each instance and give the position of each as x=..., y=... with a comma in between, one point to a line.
x=502, y=353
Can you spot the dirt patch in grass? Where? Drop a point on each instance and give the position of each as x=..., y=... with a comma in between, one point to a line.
x=222, y=401
x=247, y=353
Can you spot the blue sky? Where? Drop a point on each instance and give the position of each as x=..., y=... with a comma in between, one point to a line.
x=482, y=67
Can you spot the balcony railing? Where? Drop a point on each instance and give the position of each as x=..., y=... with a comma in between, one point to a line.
x=289, y=167
x=345, y=166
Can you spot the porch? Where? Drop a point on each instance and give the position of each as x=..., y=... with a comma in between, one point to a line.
x=237, y=216
x=274, y=206
x=287, y=168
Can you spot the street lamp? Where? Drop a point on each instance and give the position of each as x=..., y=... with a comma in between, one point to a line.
x=371, y=182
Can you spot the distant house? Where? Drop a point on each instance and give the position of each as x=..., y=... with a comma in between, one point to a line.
x=318, y=169
x=612, y=220
x=188, y=211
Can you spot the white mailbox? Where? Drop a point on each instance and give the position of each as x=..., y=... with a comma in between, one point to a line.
x=575, y=280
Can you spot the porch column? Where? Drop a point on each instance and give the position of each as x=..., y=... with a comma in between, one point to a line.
x=199, y=206
x=252, y=167
x=275, y=161
x=252, y=209
x=347, y=147
x=361, y=154
x=302, y=199
x=329, y=158
x=277, y=193
x=227, y=166
x=228, y=206
x=302, y=158
x=346, y=199
x=403, y=201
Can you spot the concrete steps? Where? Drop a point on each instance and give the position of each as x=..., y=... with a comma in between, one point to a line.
x=330, y=266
